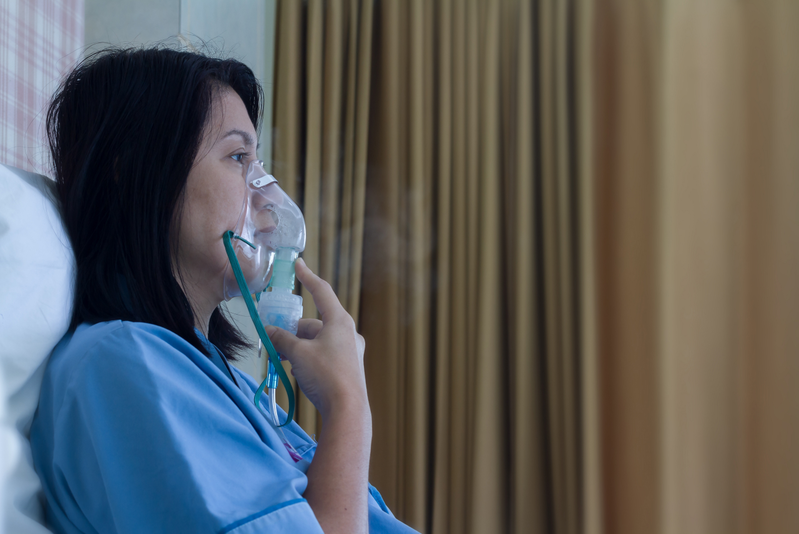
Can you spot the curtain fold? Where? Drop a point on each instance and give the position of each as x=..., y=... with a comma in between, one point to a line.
x=696, y=126
x=567, y=232
x=625, y=87
x=434, y=147
x=472, y=249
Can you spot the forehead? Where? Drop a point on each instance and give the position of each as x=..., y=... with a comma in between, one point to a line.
x=229, y=119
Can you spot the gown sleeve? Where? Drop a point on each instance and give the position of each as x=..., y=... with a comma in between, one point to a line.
x=146, y=439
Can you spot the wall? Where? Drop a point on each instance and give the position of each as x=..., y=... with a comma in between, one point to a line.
x=127, y=22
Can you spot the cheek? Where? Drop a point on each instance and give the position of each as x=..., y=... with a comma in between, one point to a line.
x=217, y=209
x=224, y=210
x=208, y=212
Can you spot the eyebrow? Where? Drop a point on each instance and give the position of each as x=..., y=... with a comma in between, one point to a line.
x=246, y=137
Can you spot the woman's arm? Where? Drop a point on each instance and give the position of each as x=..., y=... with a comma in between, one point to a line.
x=327, y=360
x=337, y=478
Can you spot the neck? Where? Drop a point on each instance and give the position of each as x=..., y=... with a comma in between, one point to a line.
x=201, y=324
x=202, y=305
x=202, y=314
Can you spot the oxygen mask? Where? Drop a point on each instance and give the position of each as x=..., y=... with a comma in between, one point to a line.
x=269, y=222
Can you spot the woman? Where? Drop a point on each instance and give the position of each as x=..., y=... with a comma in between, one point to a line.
x=139, y=427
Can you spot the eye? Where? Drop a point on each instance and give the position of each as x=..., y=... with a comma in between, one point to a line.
x=240, y=158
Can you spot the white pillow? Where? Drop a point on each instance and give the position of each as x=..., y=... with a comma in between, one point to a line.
x=36, y=286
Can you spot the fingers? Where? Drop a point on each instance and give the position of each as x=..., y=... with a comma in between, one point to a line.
x=323, y=296
x=309, y=328
x=282, y=340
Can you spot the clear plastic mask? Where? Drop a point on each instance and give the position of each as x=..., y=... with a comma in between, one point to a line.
x=269, y=221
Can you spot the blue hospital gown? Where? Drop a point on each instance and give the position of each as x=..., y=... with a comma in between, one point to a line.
x=137, y=431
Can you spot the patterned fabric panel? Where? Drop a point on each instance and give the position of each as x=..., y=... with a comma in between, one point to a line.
x=40, y=41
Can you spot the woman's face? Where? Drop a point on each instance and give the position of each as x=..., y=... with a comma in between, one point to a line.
x=214, y=197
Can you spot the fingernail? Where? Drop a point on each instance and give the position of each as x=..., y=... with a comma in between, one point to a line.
x=270, y=330
x=302, y=261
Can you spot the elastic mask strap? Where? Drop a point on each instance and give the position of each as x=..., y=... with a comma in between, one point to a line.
x=259, y=326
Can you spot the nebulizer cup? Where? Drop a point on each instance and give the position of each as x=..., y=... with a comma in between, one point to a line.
x=268, y=237
x=278, y=306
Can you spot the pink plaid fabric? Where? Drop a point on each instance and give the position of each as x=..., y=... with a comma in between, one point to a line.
x=40, y=41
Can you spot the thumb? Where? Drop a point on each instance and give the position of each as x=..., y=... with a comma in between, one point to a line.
x=282, y=340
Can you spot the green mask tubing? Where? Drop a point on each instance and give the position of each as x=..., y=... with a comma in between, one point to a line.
x=259, y=327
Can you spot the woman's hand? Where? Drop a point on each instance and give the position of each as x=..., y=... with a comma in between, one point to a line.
x=327, y=359
x=326, y=356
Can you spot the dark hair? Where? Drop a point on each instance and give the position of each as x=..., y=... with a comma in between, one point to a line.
x=124, y=129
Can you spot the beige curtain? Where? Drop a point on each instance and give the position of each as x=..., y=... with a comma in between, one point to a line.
x=568, y=232
x=697, y=207
x=472, y=244
x=454, y=167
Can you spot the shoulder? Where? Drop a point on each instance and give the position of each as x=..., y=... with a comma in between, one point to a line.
x=98, y=369
x=120, y=339
x=87, y=338
x=120, y=351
